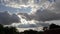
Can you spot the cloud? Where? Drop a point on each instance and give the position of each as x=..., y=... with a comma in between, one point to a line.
x=6, y=18
x=25, y=16
x=46, y=11
x=33, y=25
x=42, y=10
x=39, y=24
x=34, y=4
x=57, y=6
x=45, y=15
x=23, y=3
x=14, y=3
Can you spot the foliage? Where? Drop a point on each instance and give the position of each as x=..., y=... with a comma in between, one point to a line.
x=54, y=26
x=13, y=30
x=31, y=32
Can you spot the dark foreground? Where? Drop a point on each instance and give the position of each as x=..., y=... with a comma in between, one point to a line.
x=53, y=29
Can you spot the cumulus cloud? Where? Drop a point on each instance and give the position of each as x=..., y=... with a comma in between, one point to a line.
x=45, y=15
x=6, y=18
x=46, y=11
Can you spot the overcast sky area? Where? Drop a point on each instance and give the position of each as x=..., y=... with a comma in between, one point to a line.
x=29, y=13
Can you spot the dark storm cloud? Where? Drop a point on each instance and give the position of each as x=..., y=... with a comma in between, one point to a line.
x=45, y=15
x=6, y=18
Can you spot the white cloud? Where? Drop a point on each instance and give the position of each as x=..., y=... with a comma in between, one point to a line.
x=24, y=3
x=34, y=4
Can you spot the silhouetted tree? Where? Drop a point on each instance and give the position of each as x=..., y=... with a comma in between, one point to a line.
x=54, y=26
x=52, y=31
x=1, y=29
x=45, y=28
x=40, y=32
x=8, y=30
x=31, y=32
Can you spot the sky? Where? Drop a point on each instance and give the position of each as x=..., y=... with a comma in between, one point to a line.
x=29, y=13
